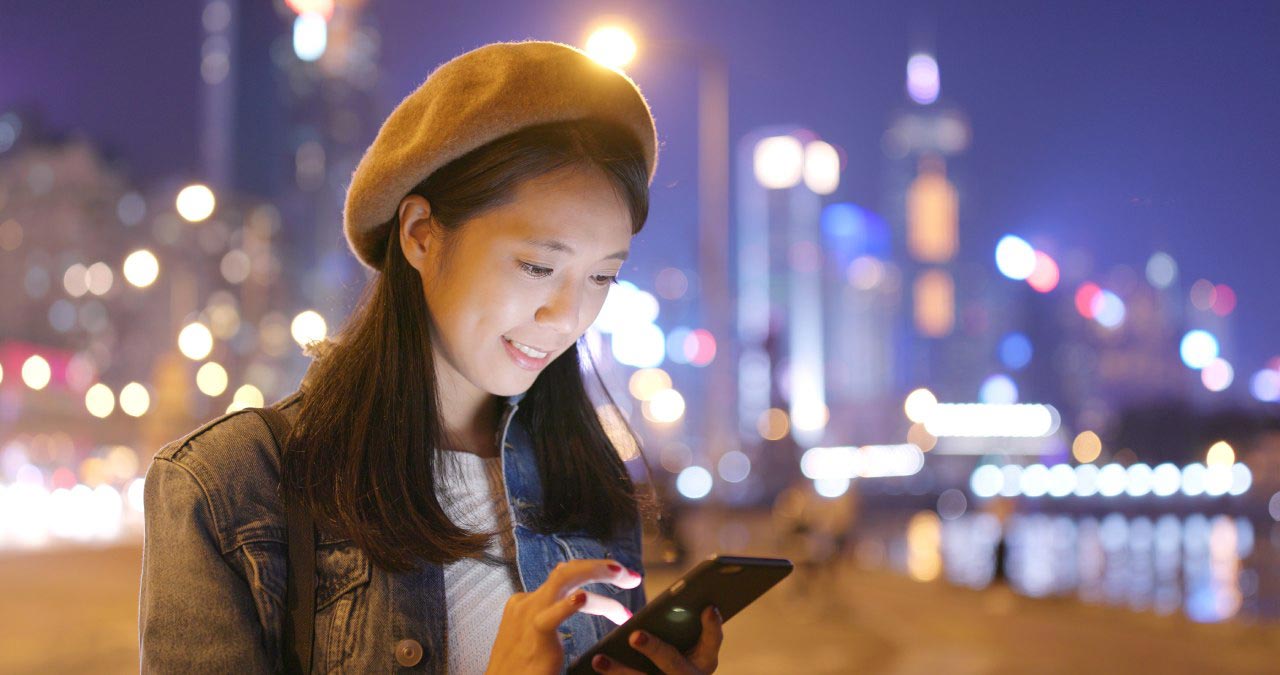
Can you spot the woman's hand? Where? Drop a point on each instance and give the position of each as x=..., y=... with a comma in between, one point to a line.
x=702, y=659
x=527, y=641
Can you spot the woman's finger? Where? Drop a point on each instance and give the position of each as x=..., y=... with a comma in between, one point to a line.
x=607, y=607
x=706, y=654
x=567, y=576
x=604, y=664
x=550, y=617
x=663, y=655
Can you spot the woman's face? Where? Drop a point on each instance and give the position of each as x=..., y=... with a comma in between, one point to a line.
x=517, y=285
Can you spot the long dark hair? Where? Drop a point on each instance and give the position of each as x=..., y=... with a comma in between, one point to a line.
x=362, y=456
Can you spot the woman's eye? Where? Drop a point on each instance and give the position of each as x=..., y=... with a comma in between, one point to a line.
x=605, y=279
x=535, y=271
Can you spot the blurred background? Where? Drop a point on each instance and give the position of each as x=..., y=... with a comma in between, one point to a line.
x=967, y=308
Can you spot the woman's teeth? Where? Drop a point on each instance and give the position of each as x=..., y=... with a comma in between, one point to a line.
x=527, y=349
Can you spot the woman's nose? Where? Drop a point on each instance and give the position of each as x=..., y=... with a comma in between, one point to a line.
x=561, y=311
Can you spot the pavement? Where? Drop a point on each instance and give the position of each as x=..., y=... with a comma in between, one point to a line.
x=74, y=610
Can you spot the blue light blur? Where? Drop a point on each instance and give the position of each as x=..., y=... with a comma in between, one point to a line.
x=851, y=231
x=1015, y=351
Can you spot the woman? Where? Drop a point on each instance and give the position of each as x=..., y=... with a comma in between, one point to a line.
x=472, y=514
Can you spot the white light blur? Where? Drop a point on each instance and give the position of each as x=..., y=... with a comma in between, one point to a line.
x=919, y=405
x=1086, y=480
x=195, y=203
x=211, y=379
x=639, y=346
x=1265, y=385
x=1035, y=480
x=1015, y=258
x=1108, y=309
x=981, y=420
x=869, y=461
x=1241, y=480
x=133, y=495
x=1162, y=270
x=998, y=389
x=99, y=278
x=310, y=36
x=76, y=280
x=986, y=481
x=247, y=396
x=1012, y=484
x=36, y=372
x=821, y=167
x=778, y=162
x=611, y=46
x=1193, y=479
x=1139, y=480
x=694, y=482
x=924, y=82
x=1198, y=349
x=831, y=487
x=1062, y=480
x=1217, y=480
x=1166, y=479
x=1111, y=480
x=195, y=341
x=1217, y=375
x=734, y=466
x=1273, y=507
x=141, y=268
x=134, y=399
x=308, y=327
x=626, y=305
x=664, y=407
x=99, y=400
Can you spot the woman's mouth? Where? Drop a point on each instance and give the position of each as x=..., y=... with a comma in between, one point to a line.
x=525, y=356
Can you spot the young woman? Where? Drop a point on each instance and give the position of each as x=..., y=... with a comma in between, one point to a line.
x=472, y=514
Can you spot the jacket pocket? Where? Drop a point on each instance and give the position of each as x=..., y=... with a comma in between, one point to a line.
x=343, y=572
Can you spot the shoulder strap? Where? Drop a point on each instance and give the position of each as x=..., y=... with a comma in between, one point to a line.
x=300, y=585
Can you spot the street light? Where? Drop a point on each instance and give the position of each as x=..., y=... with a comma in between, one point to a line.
x=612, y=46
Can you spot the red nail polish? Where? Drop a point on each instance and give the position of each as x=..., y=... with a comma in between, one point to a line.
x=615, y=568
x=641, y=639
x=579, y=598
x=602, y=662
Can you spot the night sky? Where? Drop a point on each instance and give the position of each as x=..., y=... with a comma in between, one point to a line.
x=1119, y=128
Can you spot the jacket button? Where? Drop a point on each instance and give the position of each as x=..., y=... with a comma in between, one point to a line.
x=408, y=653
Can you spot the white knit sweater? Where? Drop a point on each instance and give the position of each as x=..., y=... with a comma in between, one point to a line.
x=474, y=496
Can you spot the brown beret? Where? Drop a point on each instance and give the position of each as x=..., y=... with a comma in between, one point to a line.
x=471, y=100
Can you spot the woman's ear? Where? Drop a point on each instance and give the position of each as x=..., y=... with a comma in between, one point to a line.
x=416, y=236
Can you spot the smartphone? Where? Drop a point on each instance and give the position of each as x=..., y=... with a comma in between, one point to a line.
x=675, y=617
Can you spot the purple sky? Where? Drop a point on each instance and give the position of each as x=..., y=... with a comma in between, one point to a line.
x=1116, y=127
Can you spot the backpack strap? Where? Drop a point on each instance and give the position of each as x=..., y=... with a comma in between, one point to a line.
x=300, y=584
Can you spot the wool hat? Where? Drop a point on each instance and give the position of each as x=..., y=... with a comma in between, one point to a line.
x=474, y=99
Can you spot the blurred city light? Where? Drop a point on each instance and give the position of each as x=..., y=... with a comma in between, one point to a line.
x=1139, y=479
x=308, y=327
x=919, y=405
x=195, y=203
x=211, y=379
x=141, y=268
x=134, y=399
x=923, y=80
x=1217, y=375
x=1162, y=270
x=694, y=482
x=1044, y=278
x=1224, y=300
x=1015, y=258
x=1086, y=295
x=779, y=162
x=821, y=167
x=1265, y=385
x=612, y=46
x=36, y=372
x=831, y=487
x=99, y=278
x=734, y=466
x=1198, y=349
x=310, y=36
x=1166, y=479
x=1015, y=351
x=773, y=424
x=665, y=407
x=1108, y=309
x=982, y=420
x=616, y=428
x=640, y=346
x=868, y=461
x=195, y=341
x=1086, y=447
x=646, y=382
x=1220, y=454
x=324, y=8
x=99, y=400
x=247, y=396
x=1203, y=294
x=1193, y=479
x=76, y=280
x=998, y=389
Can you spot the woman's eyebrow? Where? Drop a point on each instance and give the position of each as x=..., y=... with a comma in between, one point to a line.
x=560, y=247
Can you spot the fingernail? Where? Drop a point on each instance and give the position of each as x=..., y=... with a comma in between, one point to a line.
x=579, y=597
x=639, y=638
x=716, y=610
x=615, y=568
x=602, y=662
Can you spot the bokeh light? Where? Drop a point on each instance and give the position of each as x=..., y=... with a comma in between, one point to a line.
x=1217, y=375
x=1220, y=454
x=1162, y=270
x=1015, y=258
x=694, y=482
x=665, y=407
x=211, y=379
x=924, y=83
x=821, y=167
x=1198, y=349
x=1015, y=351
x=195, y=341
x=308, y=327
x=612, y=46
x=195, y=203
x=1044, y=277
x=141, y=268
x=247, y=396
x=779, y=162
x=919, y=405
x=36, y=372
x=134, y=399
x=1108, y=309
x=1086, y=447
x=734, y=466
x=646, y=382
x=99, y=400
x=998, y=389
x=1265, y=385
x=773, y=424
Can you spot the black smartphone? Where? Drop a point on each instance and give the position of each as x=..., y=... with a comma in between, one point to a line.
x=675, y=617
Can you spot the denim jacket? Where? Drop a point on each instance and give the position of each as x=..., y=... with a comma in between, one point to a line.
x=214, y=564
